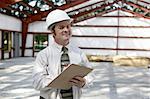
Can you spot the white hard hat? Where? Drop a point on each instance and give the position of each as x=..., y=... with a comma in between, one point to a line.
x=56, y=16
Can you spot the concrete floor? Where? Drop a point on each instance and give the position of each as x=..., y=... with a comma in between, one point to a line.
x=111, y=82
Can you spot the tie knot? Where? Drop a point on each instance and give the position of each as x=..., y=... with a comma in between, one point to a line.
x=64, y=49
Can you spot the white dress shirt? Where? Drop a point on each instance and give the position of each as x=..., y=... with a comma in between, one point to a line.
x=47, y=67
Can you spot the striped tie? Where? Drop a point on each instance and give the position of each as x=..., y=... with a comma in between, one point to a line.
x=66, y=94
x=64, y=58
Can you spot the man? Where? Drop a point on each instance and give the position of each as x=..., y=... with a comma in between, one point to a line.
x=49, y=62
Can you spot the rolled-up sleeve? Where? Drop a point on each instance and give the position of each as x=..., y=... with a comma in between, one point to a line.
x=40, y=77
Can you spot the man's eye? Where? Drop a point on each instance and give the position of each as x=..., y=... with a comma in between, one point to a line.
x=61, y=27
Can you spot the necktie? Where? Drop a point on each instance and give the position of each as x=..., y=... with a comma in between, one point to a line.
x=66, y=94
x=64, y=58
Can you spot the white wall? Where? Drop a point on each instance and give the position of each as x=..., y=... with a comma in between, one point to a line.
x=134, y=43
x=38, y=26
x=97, y=42
x=10, y=23
x=0, y=43
x=99, y=31
x=106, y=42
x=29, y=44
x=127, y=43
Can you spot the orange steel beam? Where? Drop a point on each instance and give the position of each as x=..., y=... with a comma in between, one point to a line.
x=89, y=17
x=92, y=10
x=143, y=1
x=2, y=5
x=137, y=14
x=87, y=6
x=10, y=1
x=24, y=37
x=45, y=13
x=102, y=48
x=5, y=3
x=137, y=6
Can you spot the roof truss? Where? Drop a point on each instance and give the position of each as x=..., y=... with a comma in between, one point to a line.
x=23, y=10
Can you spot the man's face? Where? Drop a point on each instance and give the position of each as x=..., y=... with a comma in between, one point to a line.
x=62, y=32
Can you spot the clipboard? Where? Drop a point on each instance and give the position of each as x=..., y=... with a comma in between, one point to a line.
x=62, y=80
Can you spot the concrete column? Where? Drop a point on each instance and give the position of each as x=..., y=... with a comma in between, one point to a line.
x=0, y=44
x=16, y=44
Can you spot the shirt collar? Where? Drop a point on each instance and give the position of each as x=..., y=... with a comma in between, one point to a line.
x=60, y=46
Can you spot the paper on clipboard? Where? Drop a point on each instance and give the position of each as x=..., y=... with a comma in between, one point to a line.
x=62, y=80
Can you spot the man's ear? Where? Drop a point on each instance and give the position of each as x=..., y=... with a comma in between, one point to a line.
x=53, y=32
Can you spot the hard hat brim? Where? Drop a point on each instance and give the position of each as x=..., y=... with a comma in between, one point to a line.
x=50, y=27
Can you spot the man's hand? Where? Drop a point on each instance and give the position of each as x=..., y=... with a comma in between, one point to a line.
x=78, y=81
